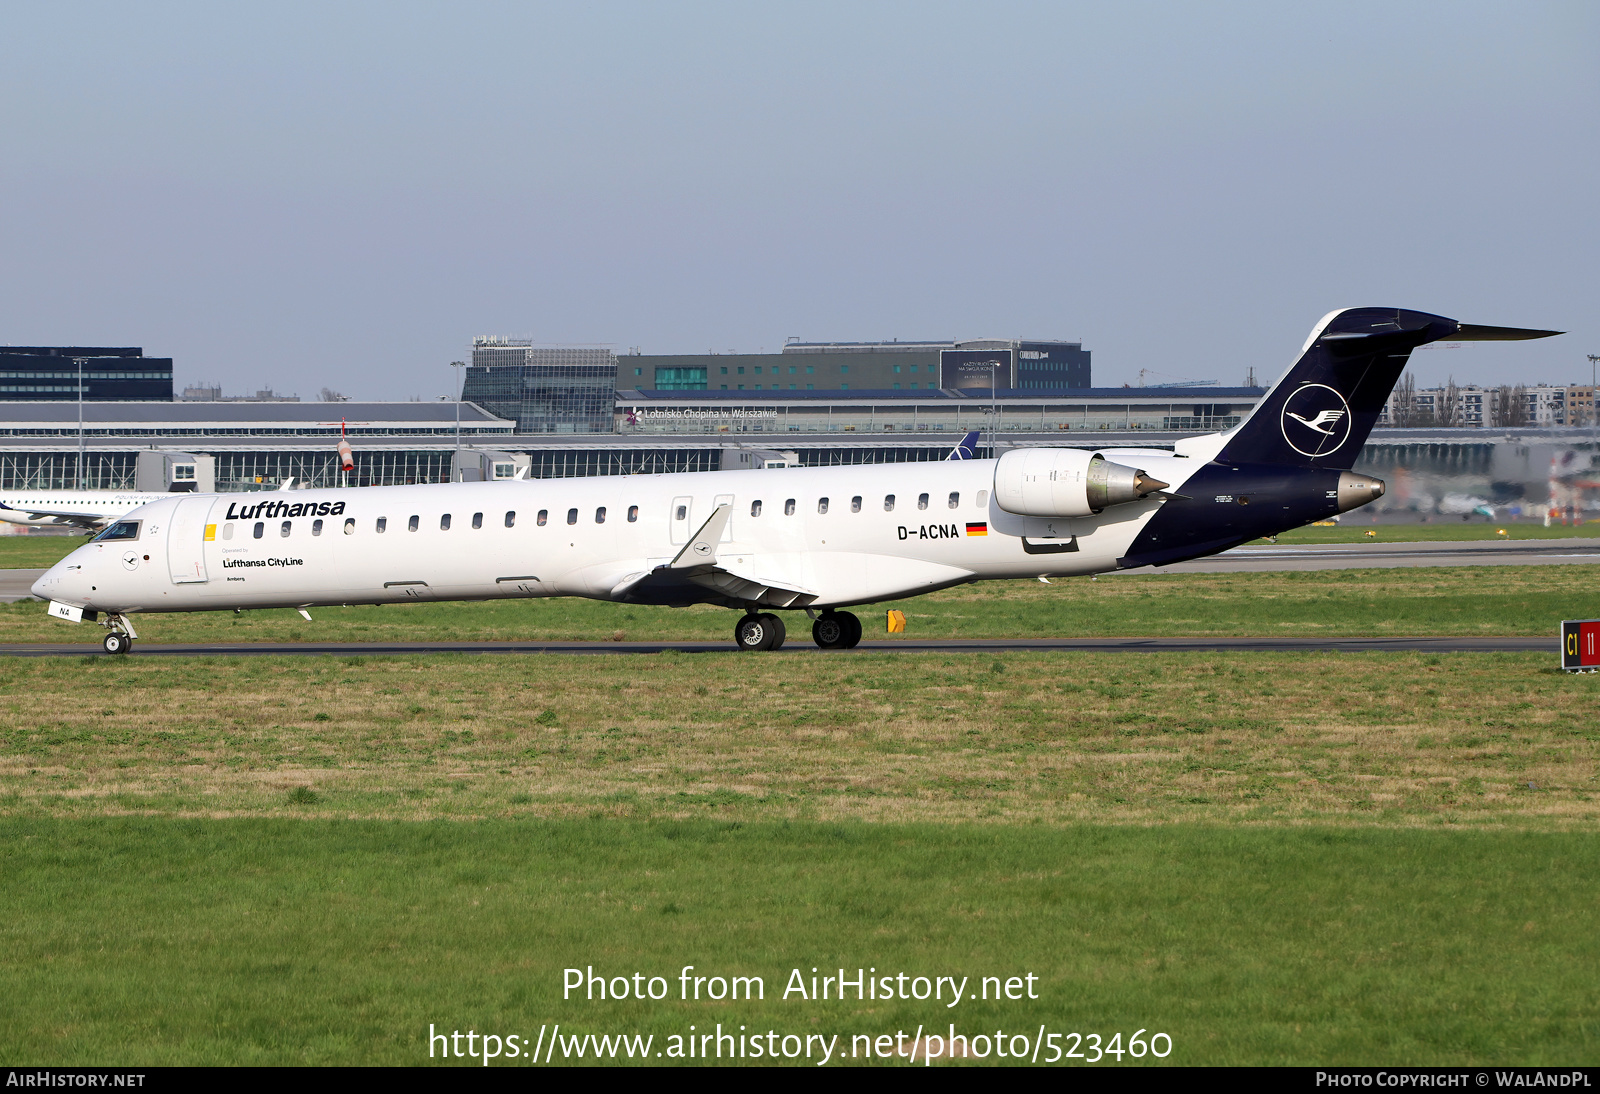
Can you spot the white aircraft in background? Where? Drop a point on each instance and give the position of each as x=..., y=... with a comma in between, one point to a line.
x=90, y=510
x=816, y=539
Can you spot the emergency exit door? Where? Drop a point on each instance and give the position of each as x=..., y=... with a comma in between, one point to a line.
x=186, y=540
x=680, y=517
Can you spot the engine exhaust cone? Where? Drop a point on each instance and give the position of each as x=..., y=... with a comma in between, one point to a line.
x=1115, y=483
x=1148, y=484
x=1356, y=490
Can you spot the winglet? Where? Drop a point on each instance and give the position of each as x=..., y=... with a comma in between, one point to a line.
x=966, y=448
x=701, y=550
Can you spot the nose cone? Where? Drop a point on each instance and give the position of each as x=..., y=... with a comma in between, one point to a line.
x=65, y=581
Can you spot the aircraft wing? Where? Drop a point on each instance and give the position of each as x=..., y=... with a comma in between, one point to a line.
x=92, y=521
x=696, y=571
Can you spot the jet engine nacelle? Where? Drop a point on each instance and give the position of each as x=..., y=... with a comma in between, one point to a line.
x=1065, y=482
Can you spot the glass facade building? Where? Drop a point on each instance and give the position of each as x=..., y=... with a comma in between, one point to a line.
x=559, y=389
x=109, y=373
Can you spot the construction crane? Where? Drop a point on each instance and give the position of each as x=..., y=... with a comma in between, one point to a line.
x=1176, y=383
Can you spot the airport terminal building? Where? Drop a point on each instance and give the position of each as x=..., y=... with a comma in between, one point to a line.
x=547, y=412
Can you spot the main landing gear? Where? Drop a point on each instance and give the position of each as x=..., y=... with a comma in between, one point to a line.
x=759, y=632
x=836, y=631
x=119, y=636
x=831, y=630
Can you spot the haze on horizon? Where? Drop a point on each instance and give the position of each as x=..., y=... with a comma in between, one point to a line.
x=305, y=195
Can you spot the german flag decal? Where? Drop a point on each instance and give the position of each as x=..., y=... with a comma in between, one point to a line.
x=981, y=528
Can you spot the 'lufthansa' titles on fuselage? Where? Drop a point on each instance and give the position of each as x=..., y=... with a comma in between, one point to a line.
x=268, y=509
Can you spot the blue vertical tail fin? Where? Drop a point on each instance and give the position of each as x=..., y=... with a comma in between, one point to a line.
x=1320, y=412
x=966, y=448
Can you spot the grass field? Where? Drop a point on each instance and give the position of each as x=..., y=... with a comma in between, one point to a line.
x=1502, y=600
x=1354, y=529
x=906, y=738
x=162, y=942
x=1272, y=858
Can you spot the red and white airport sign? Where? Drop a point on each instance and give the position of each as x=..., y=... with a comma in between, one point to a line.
x=1580, y=645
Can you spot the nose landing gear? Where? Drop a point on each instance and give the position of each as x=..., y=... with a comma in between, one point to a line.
x=120, y=634
x=836, y=631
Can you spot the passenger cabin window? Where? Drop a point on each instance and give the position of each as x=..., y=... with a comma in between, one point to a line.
x=788, y=508
x=922, y=501
x=122, y=529
x=600, y=515
x=822, y=505
x=316, y=527
x=511, y=518
x=411, y=525
x=382, y=525
x=260, y=529
x=350, y=526
x=444, y=522
x=755, y=509
x=955, y=498
x=633, y=513
x=284, y=531
x=227, y=530
x=572, y=516
x=477, y=520
x=888, y=503
x=544, y=515
x=983, y=499
x=855, y=504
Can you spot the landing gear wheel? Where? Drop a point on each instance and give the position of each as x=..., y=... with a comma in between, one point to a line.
x=779, y=631
x=758, y=632
x=854, y=638
x=117, y=642
x=831, y=631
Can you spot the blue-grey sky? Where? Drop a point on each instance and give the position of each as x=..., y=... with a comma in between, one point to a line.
x=343, y=194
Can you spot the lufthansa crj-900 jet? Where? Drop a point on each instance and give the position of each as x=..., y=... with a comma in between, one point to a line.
x=816, y=540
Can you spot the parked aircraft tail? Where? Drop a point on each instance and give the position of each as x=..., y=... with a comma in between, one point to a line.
x=1320, y=412
x=966, y=448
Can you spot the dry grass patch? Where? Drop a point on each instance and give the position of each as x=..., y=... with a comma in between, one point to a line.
x=1051, y=737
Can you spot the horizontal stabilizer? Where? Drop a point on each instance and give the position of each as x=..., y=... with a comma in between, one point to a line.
x=1471, y=332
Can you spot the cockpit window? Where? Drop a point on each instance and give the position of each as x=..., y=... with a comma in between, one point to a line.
x=122, y=529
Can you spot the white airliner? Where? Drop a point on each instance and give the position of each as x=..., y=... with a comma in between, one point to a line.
x=87, y=509
x=814, y=539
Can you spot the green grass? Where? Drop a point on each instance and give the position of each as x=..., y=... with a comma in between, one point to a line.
x=1273, y=858
x=1354, y=529
x=1502, y=600
x=147, y=942
x=36, y=552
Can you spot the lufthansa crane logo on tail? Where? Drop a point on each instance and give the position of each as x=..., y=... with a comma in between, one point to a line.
x=1316, y=420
